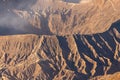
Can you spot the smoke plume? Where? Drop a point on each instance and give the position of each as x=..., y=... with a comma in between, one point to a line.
x=11, y=23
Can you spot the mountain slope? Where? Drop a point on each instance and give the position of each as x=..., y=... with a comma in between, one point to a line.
x=60, y=57
x=51, y=17
x=59, y=40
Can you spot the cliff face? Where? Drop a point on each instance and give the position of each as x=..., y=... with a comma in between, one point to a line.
x=59, y=40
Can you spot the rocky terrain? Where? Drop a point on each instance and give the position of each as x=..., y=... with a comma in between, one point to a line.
x=59, y=40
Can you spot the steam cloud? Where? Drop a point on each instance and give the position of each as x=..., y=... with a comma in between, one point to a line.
x=10, y=23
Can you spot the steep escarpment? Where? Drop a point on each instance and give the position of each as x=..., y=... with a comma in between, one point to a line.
x=72, y=57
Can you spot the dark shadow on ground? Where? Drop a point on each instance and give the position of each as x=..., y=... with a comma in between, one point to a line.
x=115, y=25
x=104, y=40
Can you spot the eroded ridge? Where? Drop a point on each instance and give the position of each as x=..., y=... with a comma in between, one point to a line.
x=54, y=57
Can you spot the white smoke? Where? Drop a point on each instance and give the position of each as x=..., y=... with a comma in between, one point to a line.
x=11, y=22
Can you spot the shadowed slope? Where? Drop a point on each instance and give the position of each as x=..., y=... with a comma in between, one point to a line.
x=116, y=26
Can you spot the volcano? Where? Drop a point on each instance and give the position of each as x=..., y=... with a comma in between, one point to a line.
x=59, y=40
